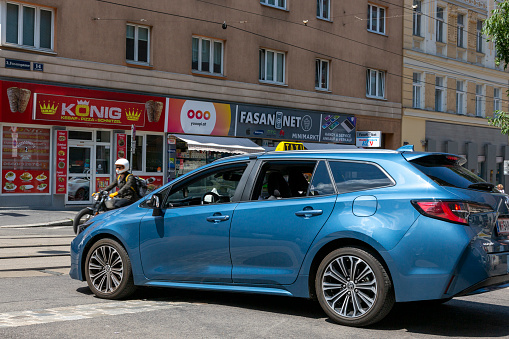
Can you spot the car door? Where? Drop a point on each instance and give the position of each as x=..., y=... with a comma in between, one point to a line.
x=272, y=232
x=190, y=241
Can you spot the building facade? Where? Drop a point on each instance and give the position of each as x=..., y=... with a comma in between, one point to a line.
x=451, y=84
x=80, y=78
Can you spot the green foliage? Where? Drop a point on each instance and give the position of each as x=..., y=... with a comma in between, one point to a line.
x=501, y=119
x=496, y=28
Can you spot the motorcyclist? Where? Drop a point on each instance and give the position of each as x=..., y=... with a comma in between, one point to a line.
x=126, y=183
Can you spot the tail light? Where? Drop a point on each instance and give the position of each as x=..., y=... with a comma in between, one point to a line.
x=452, y=211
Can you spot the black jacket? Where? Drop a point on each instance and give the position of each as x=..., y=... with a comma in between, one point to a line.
x=126, y=187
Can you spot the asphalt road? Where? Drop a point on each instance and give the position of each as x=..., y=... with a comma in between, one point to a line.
x=45, y=303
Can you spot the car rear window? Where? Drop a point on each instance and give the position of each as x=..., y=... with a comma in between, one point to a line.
x=446, y=170
x=358, y=176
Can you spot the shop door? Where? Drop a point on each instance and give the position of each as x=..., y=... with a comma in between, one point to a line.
x=79, y=175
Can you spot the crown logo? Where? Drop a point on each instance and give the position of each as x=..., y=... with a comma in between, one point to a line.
x=83, y=102
x=47, y=108
x=133, y=115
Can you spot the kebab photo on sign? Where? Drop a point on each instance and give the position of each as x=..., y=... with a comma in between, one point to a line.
x=18, y=99
x=154, y=110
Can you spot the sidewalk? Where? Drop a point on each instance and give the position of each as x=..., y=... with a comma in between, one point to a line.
x=13, y=217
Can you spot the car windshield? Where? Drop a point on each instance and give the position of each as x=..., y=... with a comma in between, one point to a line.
x=446, y=170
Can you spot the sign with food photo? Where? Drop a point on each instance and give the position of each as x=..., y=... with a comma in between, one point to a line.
x=25, y=160
x=61, y=163
x=121, y=145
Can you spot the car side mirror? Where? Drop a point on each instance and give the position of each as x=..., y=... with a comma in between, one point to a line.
x=155, y=203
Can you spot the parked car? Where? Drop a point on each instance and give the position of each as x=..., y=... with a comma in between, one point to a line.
x=356, y=229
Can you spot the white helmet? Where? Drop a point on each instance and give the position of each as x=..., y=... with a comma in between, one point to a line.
x=122, y=165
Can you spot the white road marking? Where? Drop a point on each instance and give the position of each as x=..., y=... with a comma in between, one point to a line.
x=50, y=315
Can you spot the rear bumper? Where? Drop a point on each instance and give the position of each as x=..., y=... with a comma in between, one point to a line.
x=487, y=285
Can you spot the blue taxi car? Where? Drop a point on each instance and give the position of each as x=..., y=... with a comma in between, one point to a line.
x=358, y=230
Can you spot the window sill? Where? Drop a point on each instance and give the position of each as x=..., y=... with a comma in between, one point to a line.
x=378, y=33
x=441, y=44
x=323, y=90
x=376, y=98
x=27, y=49
x=279, y=84
x=275, y=7
x=208, y=75
x=418, y=37
x=143, y=65
x=324, y=19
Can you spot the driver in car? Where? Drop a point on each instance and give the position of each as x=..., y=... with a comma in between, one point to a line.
x=126, y=183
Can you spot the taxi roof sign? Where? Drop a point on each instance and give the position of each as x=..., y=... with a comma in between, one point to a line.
x=290, y=146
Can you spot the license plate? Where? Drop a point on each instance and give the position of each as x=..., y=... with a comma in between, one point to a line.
x=503, y=226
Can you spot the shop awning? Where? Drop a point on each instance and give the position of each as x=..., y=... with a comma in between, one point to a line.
x=219, y=144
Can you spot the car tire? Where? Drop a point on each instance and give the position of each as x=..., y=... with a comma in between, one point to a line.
x=108, y=270
x=83, y=216
x=353, y=287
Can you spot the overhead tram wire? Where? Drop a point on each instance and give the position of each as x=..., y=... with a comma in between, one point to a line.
x=359, y=42
x=266, y=37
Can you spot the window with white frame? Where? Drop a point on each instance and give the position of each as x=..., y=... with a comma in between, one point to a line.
x=29, y=26
x=322, y=74
x=376, y=19
x=496, y=99
x=417, y=90
x=440, y=24
x=479, y=93
x=137, y=44
x=375, y=83
x=479, y=37
x=323, y=9
x=460, y=97
x=207, y=55
x=272, y=66
x=417, y=17
x=275, y=3
x=439, y=94
x=461, y=30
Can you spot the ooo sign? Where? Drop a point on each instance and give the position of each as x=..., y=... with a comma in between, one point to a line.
x=198, y=117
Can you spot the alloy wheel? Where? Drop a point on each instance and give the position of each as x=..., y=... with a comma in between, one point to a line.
x=106, y=269
x=349, y=286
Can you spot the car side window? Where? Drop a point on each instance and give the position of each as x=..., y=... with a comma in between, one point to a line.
x=213, y=186
x=358, y=176
x=283, y=179
x=321, y=183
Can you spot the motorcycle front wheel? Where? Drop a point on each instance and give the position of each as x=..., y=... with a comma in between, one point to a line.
x=83, y=216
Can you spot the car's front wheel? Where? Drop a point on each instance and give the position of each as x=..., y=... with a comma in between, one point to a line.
x=108, y=270
x=353, y=287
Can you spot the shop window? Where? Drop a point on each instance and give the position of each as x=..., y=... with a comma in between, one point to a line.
x=322, y=74
x=103, y=136
x=272, y=66
x=207, y=55
x=375, y=83
x=29, y=26
x=80, y=135
x=148, y=154
x=102, y=155
x=376, y=19
x=138, y=44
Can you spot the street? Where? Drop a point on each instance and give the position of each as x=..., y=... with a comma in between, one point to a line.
x=39, y=299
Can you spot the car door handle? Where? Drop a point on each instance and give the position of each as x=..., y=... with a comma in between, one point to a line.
x=308, y=213
x=218, y=218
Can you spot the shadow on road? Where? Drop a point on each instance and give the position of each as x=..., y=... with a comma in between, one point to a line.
x=456, y=318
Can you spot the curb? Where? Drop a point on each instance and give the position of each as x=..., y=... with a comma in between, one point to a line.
x=65, y=222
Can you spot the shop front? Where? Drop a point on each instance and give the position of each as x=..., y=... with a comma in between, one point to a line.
x=59, y=144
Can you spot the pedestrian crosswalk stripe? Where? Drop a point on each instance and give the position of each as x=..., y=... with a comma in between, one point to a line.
x=50, y=315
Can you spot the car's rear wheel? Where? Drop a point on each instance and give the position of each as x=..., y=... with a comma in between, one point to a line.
x=353, y=287
x=108, y=270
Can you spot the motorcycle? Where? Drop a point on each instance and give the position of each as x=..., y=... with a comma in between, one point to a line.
x=100, y=205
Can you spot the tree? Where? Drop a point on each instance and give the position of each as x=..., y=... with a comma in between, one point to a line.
x=496, y=28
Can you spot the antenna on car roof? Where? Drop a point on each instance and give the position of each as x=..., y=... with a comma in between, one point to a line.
x=406, y=148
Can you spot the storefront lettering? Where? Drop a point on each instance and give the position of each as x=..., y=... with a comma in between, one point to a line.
x=299, y=136
x=269, y=119
x=83, y=110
